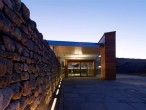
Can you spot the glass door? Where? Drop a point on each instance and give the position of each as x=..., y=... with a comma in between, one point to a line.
x=91, y=69
x=84, y=69
x=74, y=69
x=70, y=69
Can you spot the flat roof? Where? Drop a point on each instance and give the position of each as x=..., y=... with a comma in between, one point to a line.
x=73, y=44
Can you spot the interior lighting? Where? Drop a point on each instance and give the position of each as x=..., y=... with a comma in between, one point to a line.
x=78, y=51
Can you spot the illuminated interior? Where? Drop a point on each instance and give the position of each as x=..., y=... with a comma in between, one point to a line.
x=80, y=68
x=81, y=59
x=84, y=59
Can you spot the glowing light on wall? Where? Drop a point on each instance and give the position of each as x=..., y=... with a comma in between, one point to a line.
x=99, y=66
x=57, y=92
x=54, y=103
x=55, y=99
x=59, y=86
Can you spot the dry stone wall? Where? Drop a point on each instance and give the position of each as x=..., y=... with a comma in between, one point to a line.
x=29, y=69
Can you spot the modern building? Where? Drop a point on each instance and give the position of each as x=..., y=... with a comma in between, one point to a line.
x=87, y=59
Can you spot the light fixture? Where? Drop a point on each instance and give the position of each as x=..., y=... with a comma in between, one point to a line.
x=99, y=56
x=78, y=51
x=59, y=86
x=57, y=92
x=55, y=99
x=54, y=103
x=99, y=66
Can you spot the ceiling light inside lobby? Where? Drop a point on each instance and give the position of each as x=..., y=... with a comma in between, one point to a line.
x=78, y=51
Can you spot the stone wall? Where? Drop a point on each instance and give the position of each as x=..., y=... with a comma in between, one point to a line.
x=29, y=69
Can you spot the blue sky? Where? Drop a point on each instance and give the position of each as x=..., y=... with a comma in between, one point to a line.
x=87, y=20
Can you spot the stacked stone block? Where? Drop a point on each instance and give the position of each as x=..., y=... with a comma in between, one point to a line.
x=29, y=69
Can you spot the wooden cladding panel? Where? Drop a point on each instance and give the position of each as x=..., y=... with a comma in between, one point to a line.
x=108, y=57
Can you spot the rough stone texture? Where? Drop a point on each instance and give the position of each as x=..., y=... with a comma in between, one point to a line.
x=13, y=16
x=3, y=66
x=27, y=90
x=9, y=44
x=18, y=90
x=29, y=69
x=14, y=106
x=35, y=103
x=1, y=98
x=24, y=76
x=1, y=5
x=19, y=48
x=25, y=11
x=4, y=81
x=6, y=95
x=5, y=24
x=18, y=67
x=15, y=78
x=9, y=67
x=8, y=3
x=23, y=103
x=16, y=4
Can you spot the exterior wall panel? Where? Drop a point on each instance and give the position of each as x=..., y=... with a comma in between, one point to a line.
x=108, y=57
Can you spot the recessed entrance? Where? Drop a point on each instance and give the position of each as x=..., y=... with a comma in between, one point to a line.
x=80, y=68
x=84, y=58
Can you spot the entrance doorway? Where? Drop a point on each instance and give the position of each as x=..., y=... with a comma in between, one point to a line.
x=80, y=68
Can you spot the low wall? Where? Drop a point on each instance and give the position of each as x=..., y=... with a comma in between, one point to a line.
x=131, y=66
x=29, y=69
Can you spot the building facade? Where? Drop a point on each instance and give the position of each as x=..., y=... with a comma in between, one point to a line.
x=83, y=59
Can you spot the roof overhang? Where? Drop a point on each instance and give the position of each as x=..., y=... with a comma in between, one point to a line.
x=75, y=50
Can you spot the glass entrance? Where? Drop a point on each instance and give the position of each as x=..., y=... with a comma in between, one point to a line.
x=84, y=69
x=74, y=69
x=81, y=68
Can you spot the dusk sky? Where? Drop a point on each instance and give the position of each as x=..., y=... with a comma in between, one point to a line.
x=88, y=20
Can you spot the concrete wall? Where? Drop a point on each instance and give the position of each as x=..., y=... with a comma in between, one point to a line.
x=29, y=69
x=131, y=66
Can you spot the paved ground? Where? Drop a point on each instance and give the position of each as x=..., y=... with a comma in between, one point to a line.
x=126, y=93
